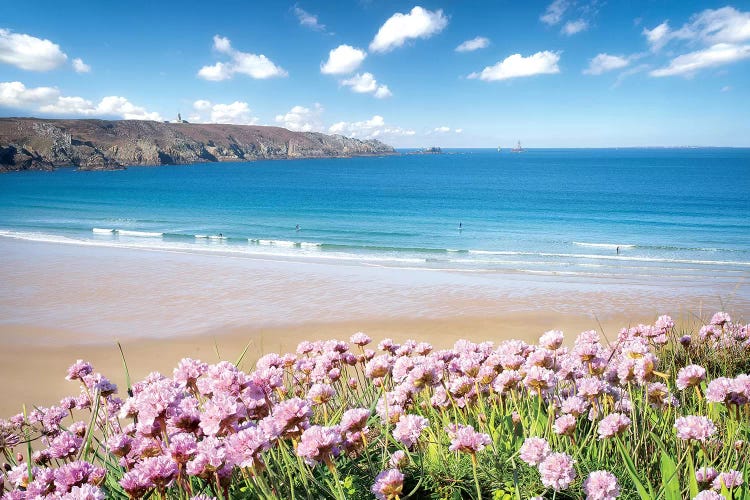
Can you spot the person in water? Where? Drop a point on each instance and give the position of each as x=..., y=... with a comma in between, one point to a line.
x=460, y=226
x=618, y=250
x=221, y=235
x=297, y=228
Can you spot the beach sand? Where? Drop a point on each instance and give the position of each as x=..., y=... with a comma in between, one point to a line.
x=60, y=303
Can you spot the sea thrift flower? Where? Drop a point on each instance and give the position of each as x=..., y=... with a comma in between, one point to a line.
x=388, y=485
x=612, y=425
x=705, y=475
x=551, y=340
x=601, y=485
x=160, y=470
x=565, y=425
x=65, y=445
x=360, y=339
x=398, y=459
x=534, y=450
x=539, y=379
x=321, y=393
x=409, y=428
x=718, y=390
x=708, y=495
x=318, y=443
x=557, y=471
x=78, y=370
x=354, y=420
x=695, y=427
x=731, y=479
x=689, y=376
x=465, y=439
x=720, y=319
x=85, y=492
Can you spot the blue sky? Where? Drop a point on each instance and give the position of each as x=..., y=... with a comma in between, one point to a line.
x=563, y=73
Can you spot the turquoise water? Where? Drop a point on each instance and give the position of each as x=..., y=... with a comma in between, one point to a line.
x=677, y=213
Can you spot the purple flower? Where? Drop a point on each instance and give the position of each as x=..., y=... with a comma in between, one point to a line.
x=245, y=447
x=398, y=459
x=292, y=416
x=720, y=319
x=557, y=471
x=188, y=371
x=135, y=483
x=360, y=339
x=695, y=427
x=160, y=470
x=85, y=492
x=705, y=475
x=534, y=450
x=689, y=376
x=388, y=485
x=409, y=428
x=77, y=474
x=183, y=447
x=601, y=485
x=730, y=480
x=318, y=443
x=465, y=439
x=612, y=425
x=65, y=445
x=78, y=370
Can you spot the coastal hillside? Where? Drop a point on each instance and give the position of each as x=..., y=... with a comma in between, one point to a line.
x=38, y=144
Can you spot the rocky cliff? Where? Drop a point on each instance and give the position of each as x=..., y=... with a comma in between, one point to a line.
x=37, y=144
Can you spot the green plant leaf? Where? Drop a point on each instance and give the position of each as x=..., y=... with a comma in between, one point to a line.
x=669, y=478
x=633, y=473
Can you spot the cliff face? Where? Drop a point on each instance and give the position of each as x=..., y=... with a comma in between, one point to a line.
x=37, y=144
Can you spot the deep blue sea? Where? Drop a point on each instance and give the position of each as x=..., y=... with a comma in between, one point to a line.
x=672, y=212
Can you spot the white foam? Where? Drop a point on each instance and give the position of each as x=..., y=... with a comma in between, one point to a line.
x=200, y=236
x=216, y=237
x=99, y=230
x=306, y=244
x=140, y=234
x=612, y=246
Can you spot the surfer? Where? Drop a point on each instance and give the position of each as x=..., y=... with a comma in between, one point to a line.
x=460, y=226
x=297, y=228
x=221, y=235
x=618, y=250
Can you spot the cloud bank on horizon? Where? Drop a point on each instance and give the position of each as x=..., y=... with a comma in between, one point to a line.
x=438, y=69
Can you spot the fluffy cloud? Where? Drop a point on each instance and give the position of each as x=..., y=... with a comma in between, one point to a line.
x=374, y=128
x=30, y=53
x=365, y=83
x=253, y=65
x=555, y=11
x=343, y=59
x=419, y=23
x=445, y=130
x=477, y=43
x=605, y=62
x=49, y=100
x=516, y=66
x=711, y=26
x=237, y=113
x=716, y=55
x=79, y=66
x=302, y=119
x=308, y=20
x=573, y=27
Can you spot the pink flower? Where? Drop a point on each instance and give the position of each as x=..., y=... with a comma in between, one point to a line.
x=319, y=443
x=694, y=427
x=398, y=459
x=551, y=340
x=354, y=420
x=84, y=492
x=539, y=379
x=689, y=376
x=78, y=370
x=565, y=425
x=388, y=485
x=557, y=471
x=160, y=470
x=601, y=485
x=534, y=450
x=320, y=393
x=612, y=425
x=705, y=475
x=360, y=339
x=730, y=480
x=720, y=319
x=718, y=390
x=708, y=495
x=409, y=428
x=465, y=439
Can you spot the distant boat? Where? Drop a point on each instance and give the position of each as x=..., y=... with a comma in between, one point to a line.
x=518, y=148
x=499, y=149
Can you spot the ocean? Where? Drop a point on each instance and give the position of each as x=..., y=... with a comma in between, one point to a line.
x=646, y=214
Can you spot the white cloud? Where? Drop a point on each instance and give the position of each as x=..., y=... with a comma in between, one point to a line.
x=573, y=27
x=711, y=26
x=459, y=130
x=374, y=128
x=49, y=100
x=343, y=59
x=555, y=11
x=477, y=43
x=308, y=20
x=30, y=53
x=442, y=130
x=79, y=66
x=236, y=113
x=658, y=36
x=302, y=119
x=365, y=83
x=716, y=55
x=419, y=23
x=726, y=88
x=516, y=66
x=605, y=62
x=253, y=65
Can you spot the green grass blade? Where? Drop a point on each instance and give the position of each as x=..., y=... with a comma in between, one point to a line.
x=670, y=480
x=633, y=472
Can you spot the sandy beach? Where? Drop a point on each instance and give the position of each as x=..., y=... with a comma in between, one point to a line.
x=59, y=303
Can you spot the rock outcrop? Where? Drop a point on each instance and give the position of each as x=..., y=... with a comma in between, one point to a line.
x=38, y=144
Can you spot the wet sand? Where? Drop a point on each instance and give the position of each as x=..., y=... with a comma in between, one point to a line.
x=62, y=303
